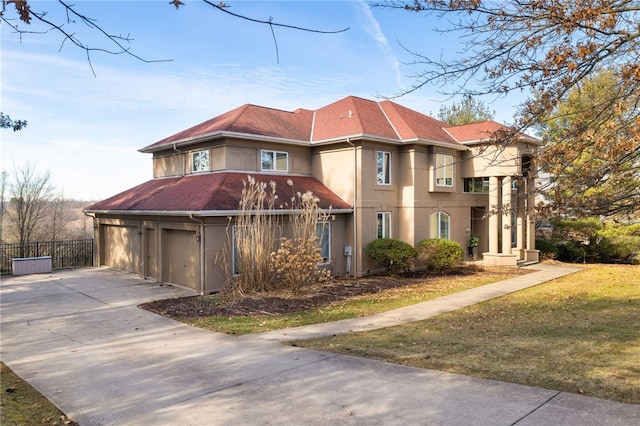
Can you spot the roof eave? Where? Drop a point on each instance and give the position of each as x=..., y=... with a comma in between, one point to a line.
x=421, y=141
x=218, y=134
x=206, y=213
x=524, y=139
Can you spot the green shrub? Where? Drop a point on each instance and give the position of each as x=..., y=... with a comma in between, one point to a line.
x=440, y=255
x=393, y=255
x=622, y=249
x=548, y=250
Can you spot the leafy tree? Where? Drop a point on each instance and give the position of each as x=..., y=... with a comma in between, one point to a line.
x=549, y=47
x=593, y=156
x=469, y=110
x=7, y=123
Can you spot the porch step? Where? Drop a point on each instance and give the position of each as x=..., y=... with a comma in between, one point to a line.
x=522, y=263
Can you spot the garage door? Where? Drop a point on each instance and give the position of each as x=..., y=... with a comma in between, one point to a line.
x=122, y=248
x=182, y=258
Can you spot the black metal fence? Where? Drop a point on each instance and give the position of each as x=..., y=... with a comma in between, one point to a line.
x=67, y=254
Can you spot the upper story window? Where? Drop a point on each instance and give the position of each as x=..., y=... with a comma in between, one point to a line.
x=444, y=170
x=384, y=225
x=274, y=161
x=383, y=162
x=200, y=161
x=479, y=185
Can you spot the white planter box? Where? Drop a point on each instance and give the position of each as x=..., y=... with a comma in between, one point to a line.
x=31, y=265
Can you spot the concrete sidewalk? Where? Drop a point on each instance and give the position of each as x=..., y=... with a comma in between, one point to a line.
x=426, y=309
x=80, y=339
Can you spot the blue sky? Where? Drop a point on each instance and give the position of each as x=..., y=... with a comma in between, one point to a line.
x=86, y=129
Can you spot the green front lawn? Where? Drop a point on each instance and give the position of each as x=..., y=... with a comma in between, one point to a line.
x=579, y=334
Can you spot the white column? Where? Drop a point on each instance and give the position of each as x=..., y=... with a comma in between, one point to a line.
x=494, y=200
x=521, y=219
x=506, y=215
x=531, y=215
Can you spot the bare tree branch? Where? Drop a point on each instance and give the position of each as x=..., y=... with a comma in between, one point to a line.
x=119, y=43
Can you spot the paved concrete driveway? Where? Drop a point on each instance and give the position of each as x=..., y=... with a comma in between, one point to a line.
x=79, y=338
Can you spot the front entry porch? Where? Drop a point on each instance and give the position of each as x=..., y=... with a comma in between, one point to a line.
x=511, y=219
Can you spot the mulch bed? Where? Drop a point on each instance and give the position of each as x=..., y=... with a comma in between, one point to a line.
x=338, y=290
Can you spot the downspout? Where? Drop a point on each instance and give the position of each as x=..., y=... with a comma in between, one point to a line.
x=354, y=258
x=202, y=257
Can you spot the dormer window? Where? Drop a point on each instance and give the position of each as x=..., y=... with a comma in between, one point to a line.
x=200, y=161
x=275, y=161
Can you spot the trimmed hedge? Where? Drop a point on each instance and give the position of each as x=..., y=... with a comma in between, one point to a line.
x=393, y=255
x=440, y=255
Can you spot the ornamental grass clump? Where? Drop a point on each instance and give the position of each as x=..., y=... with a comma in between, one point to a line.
x=298, y=261
x=297, y=264
x=272, y=253
x=255, y=236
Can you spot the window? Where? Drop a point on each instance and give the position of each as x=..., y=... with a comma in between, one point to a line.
x=384, y=225
x=383, y=162
x=200, y=161
x=444, y=170
x=440, y=225
x=275, y=161
x=476, y=185
x=323, y=232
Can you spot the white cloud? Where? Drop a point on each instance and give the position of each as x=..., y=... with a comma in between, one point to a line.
x=372, y=27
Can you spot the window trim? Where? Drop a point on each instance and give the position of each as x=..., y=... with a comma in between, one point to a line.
x=274, y=160
x=386, y=225
x=443, y=170
x=383, y=170
x=435, y=223
x=199, y=153
x=472, y=181
x=322, y=227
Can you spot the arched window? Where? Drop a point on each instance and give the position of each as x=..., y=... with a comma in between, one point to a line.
x=440, y=225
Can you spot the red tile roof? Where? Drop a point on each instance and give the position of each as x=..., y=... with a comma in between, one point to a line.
x=352, y=116
x=412, y=125
x=248, y=119
x=348, y=117
x=482, y=131
x=211, y=192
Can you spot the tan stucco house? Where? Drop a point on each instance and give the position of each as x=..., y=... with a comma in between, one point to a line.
x=379, y=169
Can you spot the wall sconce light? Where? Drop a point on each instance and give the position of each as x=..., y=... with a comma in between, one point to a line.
x=198, y=236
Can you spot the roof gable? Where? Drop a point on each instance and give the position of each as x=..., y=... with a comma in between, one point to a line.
x=351, y=116
x=411, y=125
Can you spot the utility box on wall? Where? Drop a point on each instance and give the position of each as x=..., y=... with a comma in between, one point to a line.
x=31, y=265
